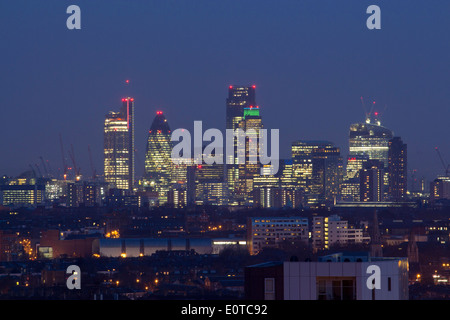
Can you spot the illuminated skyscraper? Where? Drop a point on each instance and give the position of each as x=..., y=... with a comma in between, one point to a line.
x=317, y=166
x=397, y=169
x=370, y=139
x=371, y=182
x=119, y=146
x=158, y=163
x=302, y=163
x=210, y=188
x=354, y=164
x=250, y=169
x=239, y=98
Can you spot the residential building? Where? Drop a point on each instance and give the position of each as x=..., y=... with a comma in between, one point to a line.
x=270, y=232
x=341, y=276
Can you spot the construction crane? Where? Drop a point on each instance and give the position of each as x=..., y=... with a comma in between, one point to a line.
x=370, y=113
x=43, y=165
x=39, y=170
x=364, y=107
x=94, y=173
x=446, y=166
x=72, y=156
x=63, y=158
x=32, y=170
x=50, y=171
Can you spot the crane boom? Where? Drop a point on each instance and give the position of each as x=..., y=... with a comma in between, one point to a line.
x=72, y=156
x=39, y=170
x=44, y=166
x=32, y=170
x=94, y=174
x=63, y=158
x=446, y=167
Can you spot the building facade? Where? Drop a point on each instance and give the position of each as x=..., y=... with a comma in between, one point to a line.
x=398, y=169
x=328, y=280
x=440, y=189
x=251, y=125
x=270, y=232
x=22, y=195
x=239, y=98
x=119, y=147
x=329, y=231
x=318, y=169
x=158, y=163
x=372, y=184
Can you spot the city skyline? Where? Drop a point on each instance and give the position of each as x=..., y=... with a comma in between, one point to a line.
x=140, y=170
x=237, y=151
x=407, y=84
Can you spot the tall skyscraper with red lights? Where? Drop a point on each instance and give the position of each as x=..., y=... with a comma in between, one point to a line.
x=119, y=147
x=239, y=99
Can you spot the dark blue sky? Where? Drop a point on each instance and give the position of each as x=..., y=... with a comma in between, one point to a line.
x=310, y=60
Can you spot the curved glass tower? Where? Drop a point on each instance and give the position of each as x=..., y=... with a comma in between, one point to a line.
x=371, y=140
x=158, y=164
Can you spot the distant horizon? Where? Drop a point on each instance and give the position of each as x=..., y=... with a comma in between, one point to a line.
x=287, y=156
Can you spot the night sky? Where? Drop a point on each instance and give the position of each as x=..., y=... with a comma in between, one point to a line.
x=311, y=61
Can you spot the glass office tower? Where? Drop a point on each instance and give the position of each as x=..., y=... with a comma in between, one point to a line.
x=370, y=139
x=398, y=171
x=317, y=167
x=158, y=163
x=250, y=169
x=119, y=146
x=239, y=98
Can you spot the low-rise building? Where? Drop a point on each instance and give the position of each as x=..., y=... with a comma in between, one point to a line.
x=336, y=277
x=328, y=231
x=265, y=232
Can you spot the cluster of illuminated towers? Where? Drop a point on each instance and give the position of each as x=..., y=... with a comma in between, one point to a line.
x=376, y=168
